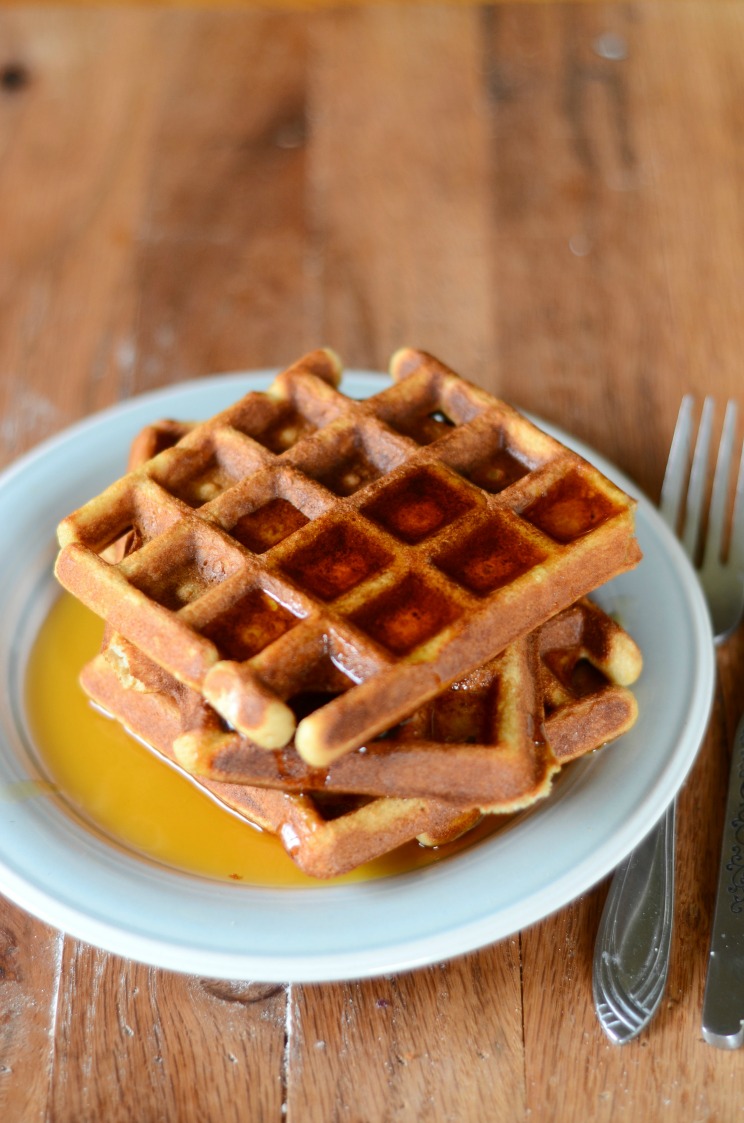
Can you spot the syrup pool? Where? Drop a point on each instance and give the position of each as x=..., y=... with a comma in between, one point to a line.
x=134, y=796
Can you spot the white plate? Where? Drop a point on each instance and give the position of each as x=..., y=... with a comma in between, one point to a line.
x=71, y=878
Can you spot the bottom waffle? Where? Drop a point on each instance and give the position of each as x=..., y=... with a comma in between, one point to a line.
x=559, y=682
x=492, y=741
x=325, y=834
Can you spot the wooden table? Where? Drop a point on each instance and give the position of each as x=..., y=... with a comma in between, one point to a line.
x=551, y=198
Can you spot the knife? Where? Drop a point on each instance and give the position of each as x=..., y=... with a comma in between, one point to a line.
x=723, y=1005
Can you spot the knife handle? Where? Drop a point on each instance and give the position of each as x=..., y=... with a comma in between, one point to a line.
x=723, y=1005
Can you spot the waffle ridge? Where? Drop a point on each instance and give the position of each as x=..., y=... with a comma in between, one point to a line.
x=398, y=542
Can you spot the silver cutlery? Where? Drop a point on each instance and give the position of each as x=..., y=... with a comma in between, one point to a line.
x=631, y=956
x=723, y=1005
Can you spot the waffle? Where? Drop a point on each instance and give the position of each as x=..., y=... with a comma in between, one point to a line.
x=492, y=741
x=326, y=834
x=562, y=680
x=407, y=785
x=404, y=541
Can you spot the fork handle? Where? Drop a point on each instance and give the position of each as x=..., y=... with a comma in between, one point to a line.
x=631, y=955
x=723, y=1005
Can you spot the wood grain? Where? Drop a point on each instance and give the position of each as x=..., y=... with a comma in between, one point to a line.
x=134, y=1043
x=584, y=320
x=547, y=195
x=443, y=1043
x=400, y=204
x=75, y=149
x=30, y=955
x=223, y=247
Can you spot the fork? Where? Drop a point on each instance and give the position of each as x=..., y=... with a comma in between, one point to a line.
x=631, y=955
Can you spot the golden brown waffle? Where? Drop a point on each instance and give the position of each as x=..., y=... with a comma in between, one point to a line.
x=402, y=541
x=325, y=834
x=492, y=741
x=331, y=822
x=562, y=679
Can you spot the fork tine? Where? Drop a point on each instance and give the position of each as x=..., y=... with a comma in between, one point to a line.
x=675, y=477
x=698, y=478
x=719, y=496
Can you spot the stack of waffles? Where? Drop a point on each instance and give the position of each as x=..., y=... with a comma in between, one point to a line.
x=359, y=622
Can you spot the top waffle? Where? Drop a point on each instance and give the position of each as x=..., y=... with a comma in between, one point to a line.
x=396, y=543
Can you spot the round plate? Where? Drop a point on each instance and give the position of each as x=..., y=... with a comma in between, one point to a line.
x=70, y=877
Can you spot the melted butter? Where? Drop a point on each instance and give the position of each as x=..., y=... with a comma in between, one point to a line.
x=139, y=800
